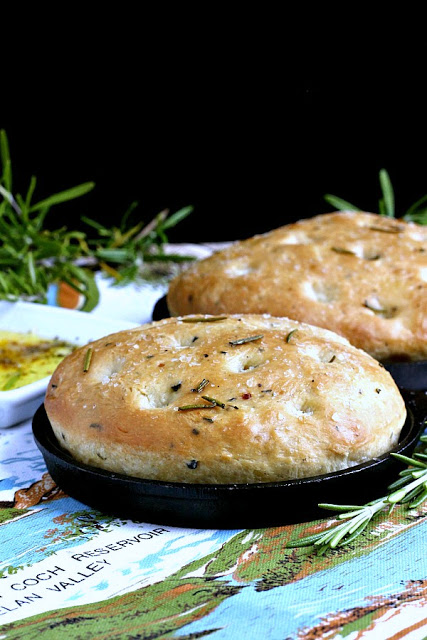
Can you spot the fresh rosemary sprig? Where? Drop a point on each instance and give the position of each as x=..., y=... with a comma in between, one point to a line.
x=128, y=252
x=409, y=489
x=34, y=257
x=417, y=212
x=31, y=257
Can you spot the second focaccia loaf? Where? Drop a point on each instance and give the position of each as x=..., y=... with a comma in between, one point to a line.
x=238, y=399
x=359, y=274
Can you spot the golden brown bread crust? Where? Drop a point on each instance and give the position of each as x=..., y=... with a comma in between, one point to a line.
x=298, y=401
x=359, y=274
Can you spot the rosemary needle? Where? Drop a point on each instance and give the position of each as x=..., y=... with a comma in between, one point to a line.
x=87, y=360
x=417, y=212
x=344, y=251
x=201, y=385
x=245, y=340
x=189, y=407
x=290, y=334
x=204, y=319
x=214, y=401
x=385, y=229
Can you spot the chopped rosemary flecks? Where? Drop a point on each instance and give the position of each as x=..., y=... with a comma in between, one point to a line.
x=208, y=419
x=11, y=381
x=201, y=385
x=290, y=334
x=245, y=340
x=176, y=386
x=205, y=319
x=87, y=361
x=332, y=359
x=214, y=401
x=36, y=256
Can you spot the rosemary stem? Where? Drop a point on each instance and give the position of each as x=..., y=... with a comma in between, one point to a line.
x=397, y=496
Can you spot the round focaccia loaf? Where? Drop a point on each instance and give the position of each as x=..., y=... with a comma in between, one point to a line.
x=237, y=399
x=359, y=274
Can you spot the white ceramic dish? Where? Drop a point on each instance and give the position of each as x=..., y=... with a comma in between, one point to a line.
x=76, y=327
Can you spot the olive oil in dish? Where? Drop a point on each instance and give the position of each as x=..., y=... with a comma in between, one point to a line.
x=27, y=357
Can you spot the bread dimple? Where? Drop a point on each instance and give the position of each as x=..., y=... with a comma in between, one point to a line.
x=231, y=399
x=359, y=274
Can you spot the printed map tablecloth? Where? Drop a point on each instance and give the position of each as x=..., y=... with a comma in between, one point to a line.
x=67, y=571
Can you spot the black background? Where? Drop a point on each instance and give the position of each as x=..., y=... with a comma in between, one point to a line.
x=250, y=132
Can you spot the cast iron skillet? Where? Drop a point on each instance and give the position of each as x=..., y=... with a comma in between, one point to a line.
x=228, y=506
x=407, y=375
